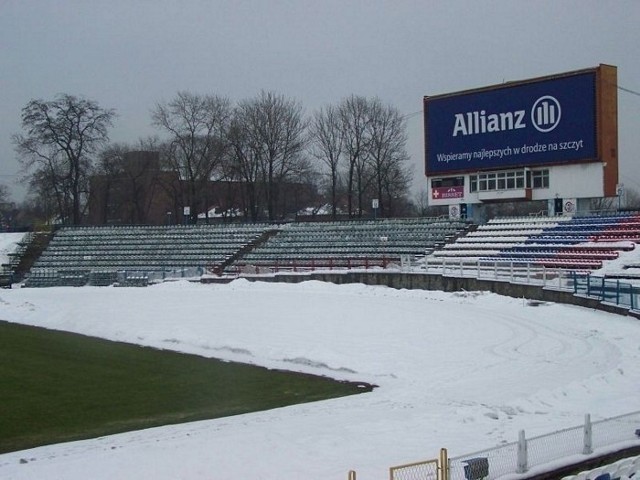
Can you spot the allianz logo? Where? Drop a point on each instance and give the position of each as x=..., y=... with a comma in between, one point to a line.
x=545, y=115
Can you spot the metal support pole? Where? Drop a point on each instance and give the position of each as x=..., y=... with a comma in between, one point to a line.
x=443, y=465
x=588, y=438
x=522, y=453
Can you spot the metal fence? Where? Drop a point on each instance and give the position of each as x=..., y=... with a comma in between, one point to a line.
x=164, y=274
x=614, y=291
x=517, y=458
x=43, y=277
x=502, y=271
x=427, y=470
x=521, y=456
x=607, y=290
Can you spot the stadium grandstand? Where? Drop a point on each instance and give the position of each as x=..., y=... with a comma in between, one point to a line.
x=77, y=256
x=581, y=243
x=137, y=255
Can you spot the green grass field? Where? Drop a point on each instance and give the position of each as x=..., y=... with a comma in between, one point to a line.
x=57, y=387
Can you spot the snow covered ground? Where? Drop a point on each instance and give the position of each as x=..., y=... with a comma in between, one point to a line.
x=464, y=371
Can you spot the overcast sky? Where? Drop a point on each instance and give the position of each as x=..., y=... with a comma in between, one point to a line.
x=131, y=54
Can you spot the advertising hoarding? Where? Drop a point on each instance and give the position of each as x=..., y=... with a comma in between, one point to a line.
x=539, y=122
x=443, y=193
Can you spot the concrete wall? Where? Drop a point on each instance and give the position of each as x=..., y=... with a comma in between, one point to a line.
x=425, y=281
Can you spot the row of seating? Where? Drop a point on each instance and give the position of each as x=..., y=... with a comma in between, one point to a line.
x=564, y=242
x=624, y=469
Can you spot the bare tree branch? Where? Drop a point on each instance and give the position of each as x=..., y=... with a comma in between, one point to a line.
x=56, y=151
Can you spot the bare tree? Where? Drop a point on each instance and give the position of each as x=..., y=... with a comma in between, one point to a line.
x=354, y=115
x=603, y=204
x=242, y=164
x=327, y=137
x=108, y=169
x=421, y=202
x=61, y=136
x=276, y=135
x=374, y=148
x=197, y=125
x=387, y=154
x=395, y=187
x=7, y=208
x=4, y=194
x=631, y=199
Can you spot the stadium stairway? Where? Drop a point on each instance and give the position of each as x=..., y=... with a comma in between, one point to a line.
x=28, y=251
x=256, y=243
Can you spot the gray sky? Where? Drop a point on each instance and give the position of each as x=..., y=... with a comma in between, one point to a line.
x=131, y=54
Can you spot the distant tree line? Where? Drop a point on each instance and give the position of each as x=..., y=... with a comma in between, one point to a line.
x=262, y=149
x=349, y=153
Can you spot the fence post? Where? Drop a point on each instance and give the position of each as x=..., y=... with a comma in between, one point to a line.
x=604, y=297
x=588, y=438
x=352, y=475
x=588, y=285
x=618, y=292
x=522, y=453
x=631, y=287
x=443, y=465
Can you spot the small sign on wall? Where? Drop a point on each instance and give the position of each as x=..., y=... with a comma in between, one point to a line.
x=569, y=206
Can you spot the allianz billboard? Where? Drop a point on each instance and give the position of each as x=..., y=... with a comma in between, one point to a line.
x=541, y=122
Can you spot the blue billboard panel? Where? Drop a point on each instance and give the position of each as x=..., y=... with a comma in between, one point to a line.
x=538, y=123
